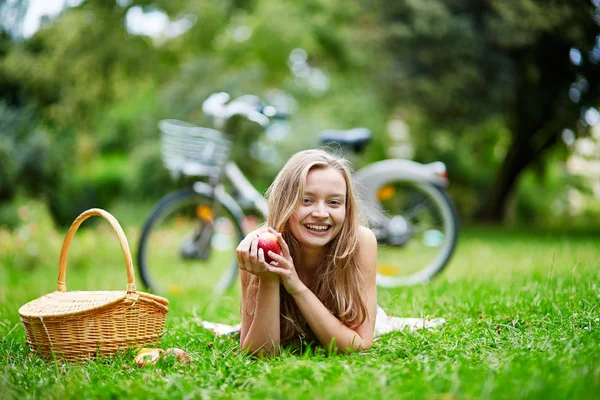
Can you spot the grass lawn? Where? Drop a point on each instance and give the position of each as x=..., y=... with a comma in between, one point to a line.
x=521, y=309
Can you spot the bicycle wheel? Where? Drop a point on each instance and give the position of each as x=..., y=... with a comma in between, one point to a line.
x=417, y=229
x=186, y=247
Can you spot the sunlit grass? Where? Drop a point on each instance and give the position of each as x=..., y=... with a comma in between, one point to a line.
x=521, y=309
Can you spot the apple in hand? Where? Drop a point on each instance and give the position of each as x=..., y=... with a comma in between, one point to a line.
x=268, y=242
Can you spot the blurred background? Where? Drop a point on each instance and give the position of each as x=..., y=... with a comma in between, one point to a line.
x=505, y=92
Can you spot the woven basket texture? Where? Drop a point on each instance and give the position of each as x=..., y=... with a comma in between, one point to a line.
x=81, y=325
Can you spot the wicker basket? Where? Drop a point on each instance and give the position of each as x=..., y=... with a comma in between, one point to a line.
x=82, y=325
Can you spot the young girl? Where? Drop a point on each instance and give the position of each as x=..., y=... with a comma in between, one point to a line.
x=322, y=286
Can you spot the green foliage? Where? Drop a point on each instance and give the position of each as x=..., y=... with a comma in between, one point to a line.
x=464, y=62
x=146, y=177
x=12, y=15
x=471, y=164
x=8, y=169
x=73, y=68
x=96, y=186
x=128, y=122
x=549, y=196
x=472, y=78
x=72, y=197
x=9, y=213
x=28, y=158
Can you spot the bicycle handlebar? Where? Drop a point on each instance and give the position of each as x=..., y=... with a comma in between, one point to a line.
x=218, y=106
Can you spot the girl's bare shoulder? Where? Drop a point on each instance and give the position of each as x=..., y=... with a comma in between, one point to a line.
x=366, y=236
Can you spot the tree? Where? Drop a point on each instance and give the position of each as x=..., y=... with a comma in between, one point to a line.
x=12, y=14
x=81, y=62
x=464, y=61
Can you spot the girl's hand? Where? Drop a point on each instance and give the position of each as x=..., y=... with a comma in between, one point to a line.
x=252, y=259
x=283, y=265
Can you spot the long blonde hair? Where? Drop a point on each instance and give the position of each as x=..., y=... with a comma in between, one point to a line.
x=339, y=283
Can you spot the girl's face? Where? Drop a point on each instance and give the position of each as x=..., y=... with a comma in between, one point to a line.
x=322, y=211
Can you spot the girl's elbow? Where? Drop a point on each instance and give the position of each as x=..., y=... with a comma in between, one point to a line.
x=266, y=349
x=365, y=345
x=360, y=345
x=353, y=346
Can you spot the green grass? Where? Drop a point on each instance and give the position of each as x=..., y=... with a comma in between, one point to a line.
x=521, y=309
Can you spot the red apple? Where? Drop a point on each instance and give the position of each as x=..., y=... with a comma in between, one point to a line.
x=268, y=242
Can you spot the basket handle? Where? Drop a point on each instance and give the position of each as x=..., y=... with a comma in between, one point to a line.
x=62, y=264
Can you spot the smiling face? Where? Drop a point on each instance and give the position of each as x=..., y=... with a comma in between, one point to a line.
x=322, y=210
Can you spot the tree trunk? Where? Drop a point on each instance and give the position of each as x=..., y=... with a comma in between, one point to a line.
x=524, y=150
x=541, y=111
x=494, y=206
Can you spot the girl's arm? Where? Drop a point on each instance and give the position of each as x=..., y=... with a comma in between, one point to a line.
x=327, y=327
x=260, y=331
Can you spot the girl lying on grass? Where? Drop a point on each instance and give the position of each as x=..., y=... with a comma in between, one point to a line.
x=323, y=285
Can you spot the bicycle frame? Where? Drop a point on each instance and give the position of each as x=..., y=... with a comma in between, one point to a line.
x=391, y=225
x=248, y=193
x=434, y=173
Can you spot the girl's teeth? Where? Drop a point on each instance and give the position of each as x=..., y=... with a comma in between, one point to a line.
x=317, y=228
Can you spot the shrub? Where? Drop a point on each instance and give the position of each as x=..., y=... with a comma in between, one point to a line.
x=30, y=161
x=8, y=170
x=147, y=177
x=95, y=186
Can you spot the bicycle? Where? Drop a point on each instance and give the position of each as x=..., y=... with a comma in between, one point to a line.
x=413, y=217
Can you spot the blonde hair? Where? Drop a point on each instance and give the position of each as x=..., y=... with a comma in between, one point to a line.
x=339, y=283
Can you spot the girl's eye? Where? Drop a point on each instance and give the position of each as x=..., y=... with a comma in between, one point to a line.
x=307, y=201
x=335, y=203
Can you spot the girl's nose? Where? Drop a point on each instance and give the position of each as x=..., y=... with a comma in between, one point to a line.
x=320, y=210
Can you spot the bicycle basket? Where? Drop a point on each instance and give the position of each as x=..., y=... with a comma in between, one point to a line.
x=192, y=150
x=80, y=325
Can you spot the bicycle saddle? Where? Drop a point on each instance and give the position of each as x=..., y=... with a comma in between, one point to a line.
x=356, y=138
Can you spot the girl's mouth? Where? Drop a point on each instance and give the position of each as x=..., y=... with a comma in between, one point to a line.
x=317, y=228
